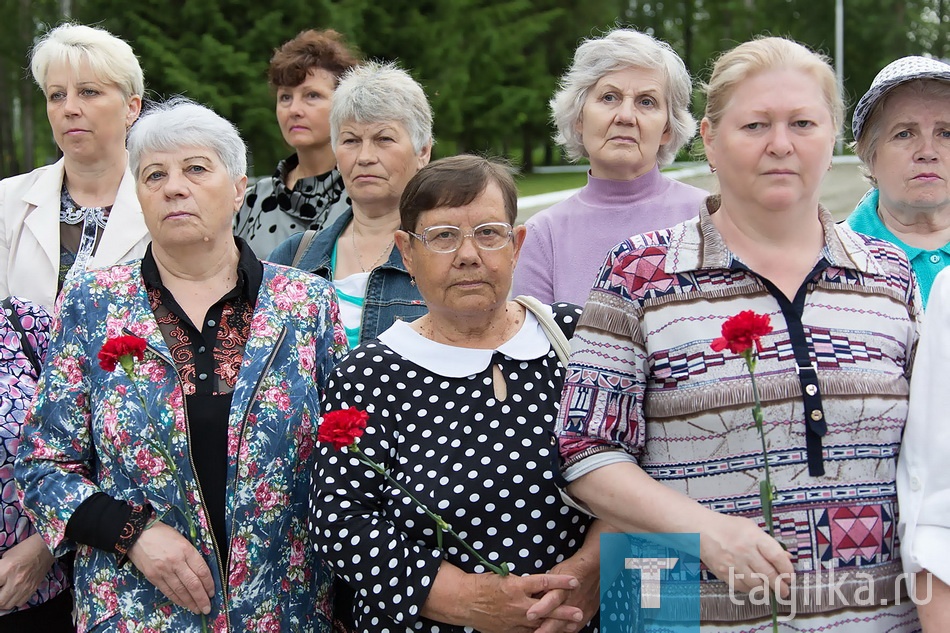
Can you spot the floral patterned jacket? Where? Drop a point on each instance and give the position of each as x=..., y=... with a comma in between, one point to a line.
x=87, y=432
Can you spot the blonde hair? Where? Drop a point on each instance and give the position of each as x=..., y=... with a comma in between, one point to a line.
x=763, y=54
x=110, y=58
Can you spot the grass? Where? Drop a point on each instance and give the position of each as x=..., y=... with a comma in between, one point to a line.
x=532, y=184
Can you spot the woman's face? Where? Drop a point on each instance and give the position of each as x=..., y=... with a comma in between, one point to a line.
x=377, y=160
x=470, y=280
x=773, y=145
x=89, y=117
x=187, y=196
x=912, y=160
x=624, y=122
x=303, y=112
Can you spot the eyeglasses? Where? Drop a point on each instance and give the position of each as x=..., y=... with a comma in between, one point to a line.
x=490, y=236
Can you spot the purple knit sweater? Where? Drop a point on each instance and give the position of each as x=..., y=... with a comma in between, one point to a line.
x=568, y=243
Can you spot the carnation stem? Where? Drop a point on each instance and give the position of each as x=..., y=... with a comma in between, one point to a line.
x=766, y=494
x=439, y=521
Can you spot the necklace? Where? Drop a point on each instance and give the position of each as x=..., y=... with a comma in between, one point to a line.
x=382, y=254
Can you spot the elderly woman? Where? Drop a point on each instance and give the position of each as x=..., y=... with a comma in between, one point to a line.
x=623, y=105
x=181, y=480
x=461, y=404
x=901, y=134
x=306, y=191
x=34, y=589
x=663, y=420
x=80, y=212
x=381, y=131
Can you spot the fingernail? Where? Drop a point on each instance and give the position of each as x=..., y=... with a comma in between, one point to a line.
x=532, y=616
x=574, y=583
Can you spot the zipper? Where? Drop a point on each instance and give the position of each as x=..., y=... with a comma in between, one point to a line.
x=191, y=461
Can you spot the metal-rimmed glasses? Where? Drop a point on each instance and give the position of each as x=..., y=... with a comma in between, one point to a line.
x=489, y=236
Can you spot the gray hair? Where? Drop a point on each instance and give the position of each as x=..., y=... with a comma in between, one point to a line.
x=110, y=58
x=180, y=122
x=376, y=92
x=618, y=50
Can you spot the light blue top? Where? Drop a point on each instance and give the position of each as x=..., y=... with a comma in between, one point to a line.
x=926, y=264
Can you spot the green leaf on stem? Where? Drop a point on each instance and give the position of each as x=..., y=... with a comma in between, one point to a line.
x=765, y=494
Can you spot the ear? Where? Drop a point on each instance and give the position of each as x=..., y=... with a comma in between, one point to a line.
x=518, y=235
x=425, y=155
x=667, y=135
x=404, y=244
x=705, y=131
x=240, y=187
x=135, y=108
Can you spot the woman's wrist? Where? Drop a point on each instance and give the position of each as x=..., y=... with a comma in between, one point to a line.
x=139, y=520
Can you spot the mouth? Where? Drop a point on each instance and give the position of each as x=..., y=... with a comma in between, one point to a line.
x=471, y=283
x=299, y=128
x=76, y=130
x=927, y=177
x=177, y=215
x=366, y=178
x=780, y=172
x=623, y=139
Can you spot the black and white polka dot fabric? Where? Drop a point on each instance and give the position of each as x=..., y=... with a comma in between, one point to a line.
x=483, y=464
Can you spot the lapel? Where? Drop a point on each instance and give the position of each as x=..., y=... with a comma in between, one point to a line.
x=267, y=330
x=125, y=228
x=42, y=216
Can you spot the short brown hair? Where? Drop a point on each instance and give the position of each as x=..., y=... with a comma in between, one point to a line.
x=455, y=182
x=310, y=49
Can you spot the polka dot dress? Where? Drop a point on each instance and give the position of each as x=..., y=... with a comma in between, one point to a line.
x=484, y=464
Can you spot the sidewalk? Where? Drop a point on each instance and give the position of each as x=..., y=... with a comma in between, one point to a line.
x=840, y=191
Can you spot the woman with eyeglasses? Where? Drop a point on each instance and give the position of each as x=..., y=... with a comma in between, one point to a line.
x=461, y=406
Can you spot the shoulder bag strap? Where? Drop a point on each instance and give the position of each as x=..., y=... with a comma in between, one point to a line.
x=305, y=241
x=558, y=341
x=25, y=345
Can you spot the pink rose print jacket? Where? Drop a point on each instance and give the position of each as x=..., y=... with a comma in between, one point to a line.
x=87, y=432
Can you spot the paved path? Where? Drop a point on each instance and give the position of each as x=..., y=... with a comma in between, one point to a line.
x=841, y=189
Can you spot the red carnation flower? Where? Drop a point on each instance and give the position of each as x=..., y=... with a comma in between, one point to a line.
x=742, y=331
x=342, y=427
x=120, y=350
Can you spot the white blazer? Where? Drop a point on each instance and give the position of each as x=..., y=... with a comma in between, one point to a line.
x=29, y=232
x=923, y=478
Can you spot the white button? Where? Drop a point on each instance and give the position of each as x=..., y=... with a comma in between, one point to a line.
x=914, y=483
x=202, y=376
x=935, y=259
x=210, y=322
x=201, y=350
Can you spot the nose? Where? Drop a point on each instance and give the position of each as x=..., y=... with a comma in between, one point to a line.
x=468, y=251
x=780, y=143
x=71, y=104
x=926, y=151
x=367, y=155
x=294, y=106
x=627, y=112
x=175, y=184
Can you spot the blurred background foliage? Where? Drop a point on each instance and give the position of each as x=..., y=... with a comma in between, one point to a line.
x=488, y=66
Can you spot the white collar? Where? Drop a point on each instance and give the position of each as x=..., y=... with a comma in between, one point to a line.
x=529, y=343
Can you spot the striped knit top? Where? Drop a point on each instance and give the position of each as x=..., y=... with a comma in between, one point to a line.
x=644, y=385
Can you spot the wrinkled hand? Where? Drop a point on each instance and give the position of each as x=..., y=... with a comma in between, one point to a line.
x=566, y=611
x=736, y=549
x=173, y=565
x=501, y=604
x=22, y=569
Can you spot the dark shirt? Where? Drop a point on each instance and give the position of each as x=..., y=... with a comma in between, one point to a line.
x=207, y=360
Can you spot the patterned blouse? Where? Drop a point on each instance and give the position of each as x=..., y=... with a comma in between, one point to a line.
x=17, y=386
x=643, y=385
